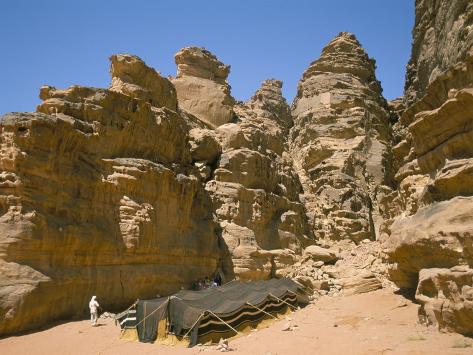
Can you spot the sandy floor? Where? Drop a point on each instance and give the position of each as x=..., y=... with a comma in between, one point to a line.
x=375, y=323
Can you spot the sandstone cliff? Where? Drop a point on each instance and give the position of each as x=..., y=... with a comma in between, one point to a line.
x=428, y=238
x=442, y=36
x=146, y=186
x=255, y=189
x=340, y=142
x=98, y=197
x=128, y=192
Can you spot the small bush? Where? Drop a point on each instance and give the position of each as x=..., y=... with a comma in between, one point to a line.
x=417, y=337
x=461, y=344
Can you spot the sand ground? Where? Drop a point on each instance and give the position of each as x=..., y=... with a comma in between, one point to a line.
x=375, y=323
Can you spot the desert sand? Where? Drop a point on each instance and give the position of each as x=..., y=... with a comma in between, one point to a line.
x=379, y=322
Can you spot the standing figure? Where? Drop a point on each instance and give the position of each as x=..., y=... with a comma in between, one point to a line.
x=93, y=306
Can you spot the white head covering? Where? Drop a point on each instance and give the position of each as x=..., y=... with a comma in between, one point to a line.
x=93, y=298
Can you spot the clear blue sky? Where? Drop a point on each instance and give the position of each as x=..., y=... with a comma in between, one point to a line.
x=62, y=43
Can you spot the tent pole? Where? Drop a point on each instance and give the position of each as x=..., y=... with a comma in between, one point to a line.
x=302, y=286
x=221, y=320
x=134, y=304
x=167, y=319
x=259, y=309
x=290, y=305
x=193, y=325
x=144, y=324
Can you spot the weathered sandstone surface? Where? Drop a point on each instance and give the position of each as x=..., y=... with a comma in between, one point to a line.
x=446, y=298
x=127, y=192
x=340, y=142
x=98, y=197
x=255, y=189
x=202, y=87
x=428, y=235
x=132, y=77
x=144, y=187
x=442, y=36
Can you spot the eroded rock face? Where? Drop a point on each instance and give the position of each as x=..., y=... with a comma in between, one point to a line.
x=438, y=235
x=443, y=35
x=132, y=77
x=121, y=193
x=145, y=187
x=255, y=189
x=430, y=227
x=434, y=176
x=446, y=298
x=340, y=142
x=202, y=88
x=98, y=197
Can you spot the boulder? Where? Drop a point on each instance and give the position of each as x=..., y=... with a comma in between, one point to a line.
x=446, y=298
x=317, y=253
x=360, y=282
x=204, y=145
x=436, y=236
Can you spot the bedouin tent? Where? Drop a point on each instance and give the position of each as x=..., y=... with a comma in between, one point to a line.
x=214, y=313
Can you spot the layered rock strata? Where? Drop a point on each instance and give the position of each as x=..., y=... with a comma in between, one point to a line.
x=428, y=238
x=340, y=142
x=255, y=190
x=442, y=36
x=132, y=77
x=128, y=192
x=145, y=187
x=98, y=196
x=434, y=174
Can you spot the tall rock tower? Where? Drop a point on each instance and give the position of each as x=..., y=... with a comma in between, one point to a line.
x=339, y=142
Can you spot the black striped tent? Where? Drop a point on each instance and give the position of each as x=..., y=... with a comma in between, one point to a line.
x=214, y=313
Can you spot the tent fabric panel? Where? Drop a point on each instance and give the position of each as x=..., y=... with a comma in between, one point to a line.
x=148, y=315
x=227, y=302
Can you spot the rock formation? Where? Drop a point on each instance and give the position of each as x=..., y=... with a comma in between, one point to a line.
x=431, y=213
x=442, y=36
x=202, y=87
x=446, y=298
x=340, y=142
x=98, y=197
x=125, y=194
x=151, y=184
x=132, y=77
x=255, y=189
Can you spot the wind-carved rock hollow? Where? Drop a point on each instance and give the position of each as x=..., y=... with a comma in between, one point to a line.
x=142, y=188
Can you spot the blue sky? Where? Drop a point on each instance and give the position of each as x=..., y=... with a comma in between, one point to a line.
x=62, y=43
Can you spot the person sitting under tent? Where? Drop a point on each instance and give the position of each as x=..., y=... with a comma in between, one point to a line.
x=218, y=280
x=93, y=306
x=207, y=283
